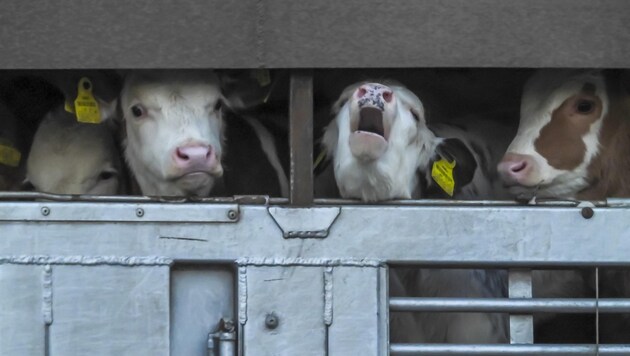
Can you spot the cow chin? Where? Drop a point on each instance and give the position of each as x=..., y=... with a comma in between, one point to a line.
x=367, y=146
x=196, y=183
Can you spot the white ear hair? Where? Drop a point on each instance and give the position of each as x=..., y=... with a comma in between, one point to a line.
x=330, y=138
x=409, y=99
x=108, y=109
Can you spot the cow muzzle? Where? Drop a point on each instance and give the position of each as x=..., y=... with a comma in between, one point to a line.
x=196, y=160
x=518, y=170
x=369, y=125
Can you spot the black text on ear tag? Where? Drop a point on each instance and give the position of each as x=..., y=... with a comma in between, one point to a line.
x=85, y=106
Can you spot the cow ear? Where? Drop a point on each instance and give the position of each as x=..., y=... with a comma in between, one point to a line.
x=453, y=166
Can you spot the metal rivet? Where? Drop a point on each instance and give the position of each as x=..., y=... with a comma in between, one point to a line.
x=271, y=321
x=232, y=214
x=45, y=211
x=587, y=213
x=139, y=212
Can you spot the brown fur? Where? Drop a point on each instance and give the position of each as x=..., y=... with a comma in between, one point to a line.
x=609, y=171
x=560, y=141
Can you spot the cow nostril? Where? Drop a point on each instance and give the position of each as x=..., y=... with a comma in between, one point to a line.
x=387, y=96
x=181, y=155
x=361, y=92
x=518, y=167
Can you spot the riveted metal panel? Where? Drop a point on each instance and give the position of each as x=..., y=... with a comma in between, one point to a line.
x=431, y=235
x=22, y=324
x=80, y=211
x=295, y=295
x=110, y=310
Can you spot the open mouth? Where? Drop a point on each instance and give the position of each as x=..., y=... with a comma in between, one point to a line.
x=371, y=120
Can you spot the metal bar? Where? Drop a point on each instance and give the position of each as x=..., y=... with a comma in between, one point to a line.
x=468, y=203
x=502, y=350
x=512, y=305
x=301, y=138
x=238, y=199
x=521, y=326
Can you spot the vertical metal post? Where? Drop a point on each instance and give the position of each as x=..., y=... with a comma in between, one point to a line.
x=521, y=326
x=301, y=138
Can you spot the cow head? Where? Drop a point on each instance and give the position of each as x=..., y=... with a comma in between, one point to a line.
x=174, y=130
x=558, y=135
x=378, y=139
x=68, y=157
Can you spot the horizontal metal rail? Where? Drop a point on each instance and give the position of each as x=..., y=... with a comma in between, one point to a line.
x=514, y=305
x=505, y=349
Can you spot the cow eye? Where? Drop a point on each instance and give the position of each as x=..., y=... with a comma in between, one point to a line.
x=105, y=175
x=137, y=111
x=218, y=105
x=415, y=116
x=585, y=106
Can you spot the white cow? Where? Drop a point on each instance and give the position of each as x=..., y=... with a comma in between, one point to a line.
x=382, y=149
x=68, y=157
x=175, y=136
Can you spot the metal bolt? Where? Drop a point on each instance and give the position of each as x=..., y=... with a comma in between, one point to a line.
x=45, y=211
x=587, y=212
x=271, y=321
x=232, y=214
x=139, y=212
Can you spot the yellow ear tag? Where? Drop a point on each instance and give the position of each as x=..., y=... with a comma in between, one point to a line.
x=442, y=174
x=85, y=106
x=9, y=155
x=262, y=76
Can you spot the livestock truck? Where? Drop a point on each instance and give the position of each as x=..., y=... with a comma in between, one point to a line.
x=303, y=274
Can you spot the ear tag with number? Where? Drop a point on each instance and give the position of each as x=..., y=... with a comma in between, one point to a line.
x=85, y=105
x=442, y=173
x=9, y=155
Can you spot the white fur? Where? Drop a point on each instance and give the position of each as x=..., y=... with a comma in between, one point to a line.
x=68, y=157
x=393, y=176
x=180, y=111
x=544, y=93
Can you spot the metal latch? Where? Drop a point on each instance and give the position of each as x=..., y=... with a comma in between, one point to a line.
x=223, y=341
x=304, y=223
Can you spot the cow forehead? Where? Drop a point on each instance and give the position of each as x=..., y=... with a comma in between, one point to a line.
x=549, y=124
x=172, y=93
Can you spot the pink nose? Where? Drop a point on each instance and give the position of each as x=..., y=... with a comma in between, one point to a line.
x=195, y=158
x=515, y=168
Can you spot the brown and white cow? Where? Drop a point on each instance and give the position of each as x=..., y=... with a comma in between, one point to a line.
x=573, y=142
x=572, y=138
x=176, y=135
x=382, y=149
